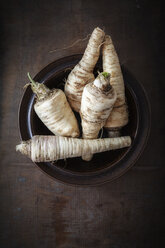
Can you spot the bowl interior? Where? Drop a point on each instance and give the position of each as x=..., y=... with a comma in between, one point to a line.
x=100, y=161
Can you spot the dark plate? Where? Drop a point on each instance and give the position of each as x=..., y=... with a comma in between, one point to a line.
x=105, y=166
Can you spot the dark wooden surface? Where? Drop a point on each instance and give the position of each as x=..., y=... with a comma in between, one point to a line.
x=36, y=211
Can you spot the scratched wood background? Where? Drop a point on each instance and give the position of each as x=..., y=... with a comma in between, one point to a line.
x=36, y=211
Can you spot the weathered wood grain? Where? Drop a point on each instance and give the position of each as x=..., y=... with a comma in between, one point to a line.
x=36, y=211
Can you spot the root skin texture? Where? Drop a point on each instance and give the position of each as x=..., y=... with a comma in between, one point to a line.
x=56, y=113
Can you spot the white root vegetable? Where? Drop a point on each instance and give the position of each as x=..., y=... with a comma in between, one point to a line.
x=119, y=115
x=82, y=73
x=97, y=102
x=54, y=110
x=51, y=148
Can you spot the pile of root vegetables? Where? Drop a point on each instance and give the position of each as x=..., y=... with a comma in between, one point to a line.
x=100, y=102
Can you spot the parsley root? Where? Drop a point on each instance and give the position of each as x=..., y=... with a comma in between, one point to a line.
x=52, y=108
x=97, y=102
x=119, y=115
x=51, y=148
x=82, y=73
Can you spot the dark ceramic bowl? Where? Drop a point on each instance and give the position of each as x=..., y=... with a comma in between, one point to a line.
x=105, y=166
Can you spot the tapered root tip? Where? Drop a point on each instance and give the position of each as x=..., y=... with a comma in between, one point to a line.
x=108, y=39
x=87, y=157
x=23, y=148
x=99, y=29
x=75, y=134
x=129, y=141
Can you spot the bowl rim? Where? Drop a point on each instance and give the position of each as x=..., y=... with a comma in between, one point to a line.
x=102, y=179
